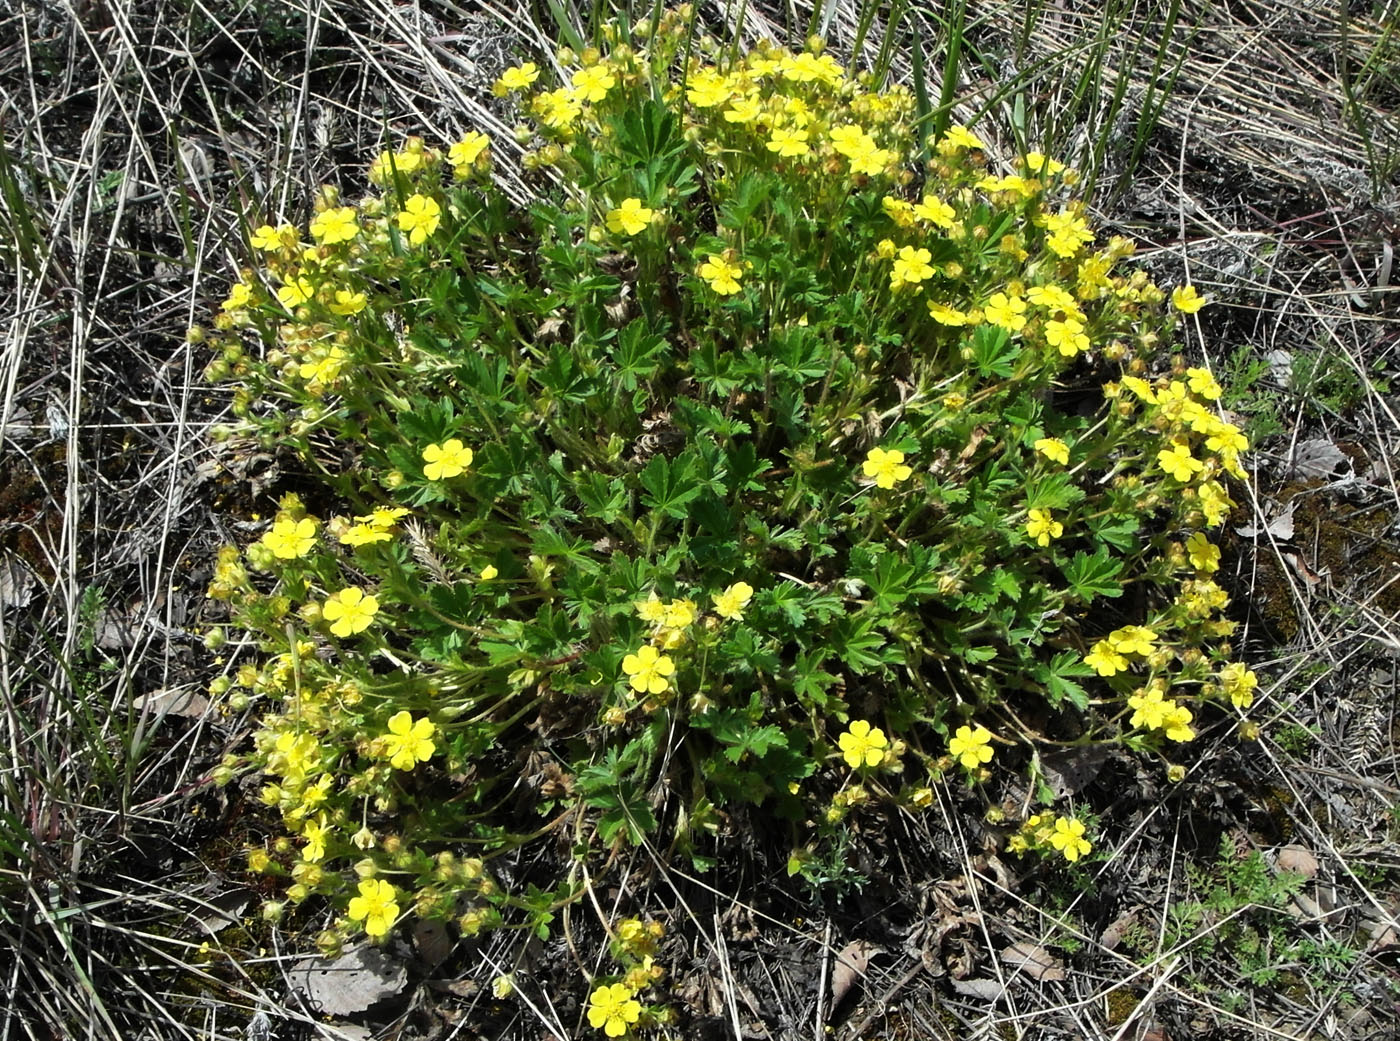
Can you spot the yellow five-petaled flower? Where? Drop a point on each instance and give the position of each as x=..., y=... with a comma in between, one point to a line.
x=448, y=459
x=350, y=611
x=971, y=747
x=612, y=1008
x=290, y=539
x=409, y=741
x=1069, y=838
x=420, y=217
x=629, y=217
x=648, y=669
x=731, y=603
x=376, y=906
x=887, y=467
x=722, y=275
x=1042, y=527
x=863, y=745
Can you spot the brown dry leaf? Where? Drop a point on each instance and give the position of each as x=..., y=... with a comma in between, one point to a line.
x=432, y=942
x=176, y=701
x=850, y=967
x=1032, y=959
x=355, y=981
x=983, y=990
x=1113, y=935
x=1297, y=861
x=1071, y=770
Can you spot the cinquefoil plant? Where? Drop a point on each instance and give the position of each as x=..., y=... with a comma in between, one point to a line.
x=781, y=454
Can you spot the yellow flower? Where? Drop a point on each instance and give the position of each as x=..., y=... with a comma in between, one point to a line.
x=1067, y=336
x=1054, y=299
x=289, y=539
x=1042, y=527
x=389, y=163
x=337, y=224
x=744, y=110
x=347, y=302
x=788, y=142
x=1037, y=162
x=1239, y=683
x=464, y=154
x=1178, y=462
x=557, y=108
x=446, y=460
x=594, y=82
x=911, y=267
x=731, y=603
x=409, y=741
x=1133, y=639
x=1141, y=389
x=945, y=314
x=1176, y=723
x=1105, y=660
x=296, y=292
x=489, y=572
x=722, y=275
x=1149, y=709
x=1203, y=384
x=651, y=610
x=862, y=746
x=1007, y=312
x=323, y=372
x=1186, y=300
x=935, y=211
x=1069, y=838
x=971, y=747
x=1203, y=554
x=707, y=89
x=240, y=295
x=629, y=218
x=679, y=614
x=419, y=217
x=1215, y=504
x=518, y=78
x=959, y=137
x=314, y=832
x=887, y=467
x=271, y=240
x=1053, y=449
x=375, y=906
x=648, y=669
x=350, y=611
x=613, y=1009
x=363, y=535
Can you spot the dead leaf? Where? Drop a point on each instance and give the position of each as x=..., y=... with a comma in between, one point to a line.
x=432, y=942
x=173, y=701
x=16, y=582
x=1318, y=458
x=1113, y=935
x=850, y=967
x=1296, y=860
x=357, y=980
x=1070, y=771
x=1035, y=961
x=983, y=990
x=1278, y=522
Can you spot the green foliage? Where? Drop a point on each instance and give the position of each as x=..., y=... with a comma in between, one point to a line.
x=726, y=474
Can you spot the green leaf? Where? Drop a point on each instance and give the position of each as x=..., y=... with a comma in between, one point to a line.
x=1093, y=575
x=671, y=484
x=1058, y=679
x=993, y=353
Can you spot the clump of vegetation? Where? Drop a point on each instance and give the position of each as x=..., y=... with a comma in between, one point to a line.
x=789, y=453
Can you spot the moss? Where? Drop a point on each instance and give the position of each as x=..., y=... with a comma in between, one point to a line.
x=1122, y=1003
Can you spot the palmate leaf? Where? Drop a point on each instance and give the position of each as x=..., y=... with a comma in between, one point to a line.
x=1093, y=574
x=670, y=484
x=1058, y=679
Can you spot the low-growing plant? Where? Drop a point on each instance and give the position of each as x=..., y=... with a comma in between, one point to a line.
x=782, y=454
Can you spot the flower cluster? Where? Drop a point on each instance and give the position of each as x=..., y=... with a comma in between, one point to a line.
x=747, y=439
